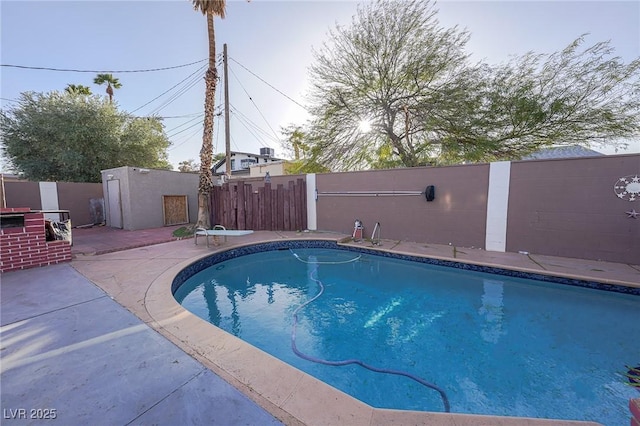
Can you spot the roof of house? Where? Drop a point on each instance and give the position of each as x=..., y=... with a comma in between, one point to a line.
x=571, y=151
x=222, y=161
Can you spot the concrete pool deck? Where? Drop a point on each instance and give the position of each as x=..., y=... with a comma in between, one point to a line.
x=82, y=354
x=71, y=355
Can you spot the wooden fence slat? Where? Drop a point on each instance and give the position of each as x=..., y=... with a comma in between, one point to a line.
x=261, y=213
x=285, y=211
x=272, y=202
x=303, y=184
x=226, y=200
x=295, y=220
x=241, y=207
x=214, y=212
x=298, y=189
x=255, y=197
x=232, y=207
x=280, y=208
x=298, y=205
x=248, y=196
x=292, y=207
x=274, y=209
x=233, y=224
x=294, y=213
x=267, y=207
x=220, y=206
x=229, y=207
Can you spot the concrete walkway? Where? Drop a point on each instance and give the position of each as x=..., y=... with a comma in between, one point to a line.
x=71, y=353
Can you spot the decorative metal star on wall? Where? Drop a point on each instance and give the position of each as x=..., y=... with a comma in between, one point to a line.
x=627, y=188
x=633, y=214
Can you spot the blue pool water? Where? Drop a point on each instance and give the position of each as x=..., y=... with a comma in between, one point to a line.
x=495, y=344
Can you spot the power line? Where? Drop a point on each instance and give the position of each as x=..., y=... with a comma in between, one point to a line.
x=186, y=139
x=233, y=141
x=183, y=124
x=198, y=116
x=253, y=102
x=251, y=132
x=268, y=84
x=175, y=116
x=184, y=130
x=177, y=94
x=194, y=80
x=173, y=87
x=249, y=125
x=100, y=71
x=251, y=128
x=253, y=124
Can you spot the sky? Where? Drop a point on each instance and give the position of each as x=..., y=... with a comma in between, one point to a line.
x=270, y=46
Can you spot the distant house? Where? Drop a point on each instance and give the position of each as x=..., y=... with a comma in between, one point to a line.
x=571, y=151
x=241, y=162
x=274, y=168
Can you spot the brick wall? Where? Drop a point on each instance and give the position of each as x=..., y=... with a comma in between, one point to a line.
x=26, y=247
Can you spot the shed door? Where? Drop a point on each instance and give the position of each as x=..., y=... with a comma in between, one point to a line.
x=175, y=209
x=115, y=206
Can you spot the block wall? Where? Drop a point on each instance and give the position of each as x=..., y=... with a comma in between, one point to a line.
x=26, y=247
x=456, y=216
x=572, y=207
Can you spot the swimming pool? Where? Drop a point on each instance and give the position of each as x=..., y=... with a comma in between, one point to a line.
x=485, y=349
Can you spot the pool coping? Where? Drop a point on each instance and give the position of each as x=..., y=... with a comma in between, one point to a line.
x=292, y=396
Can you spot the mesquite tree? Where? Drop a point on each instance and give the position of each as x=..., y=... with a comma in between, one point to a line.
x=398, y=70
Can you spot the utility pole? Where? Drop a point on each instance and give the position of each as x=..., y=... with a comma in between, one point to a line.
x=227, y=131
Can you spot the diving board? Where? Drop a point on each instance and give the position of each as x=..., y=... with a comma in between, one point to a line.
x=219, y=231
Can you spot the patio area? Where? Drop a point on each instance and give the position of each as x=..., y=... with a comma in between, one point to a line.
x=101, y=340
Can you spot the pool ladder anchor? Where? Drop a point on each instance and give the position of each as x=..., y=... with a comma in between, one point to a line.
x=376, y=240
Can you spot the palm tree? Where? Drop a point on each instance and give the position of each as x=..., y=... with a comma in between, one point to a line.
x=112, y=83
x=77, y=89
x=209, y=8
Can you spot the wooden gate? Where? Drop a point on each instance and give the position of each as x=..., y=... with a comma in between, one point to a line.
x=241, y=206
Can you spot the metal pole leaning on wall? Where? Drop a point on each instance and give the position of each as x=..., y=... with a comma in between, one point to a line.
x=428, y=193
x=369, y=193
